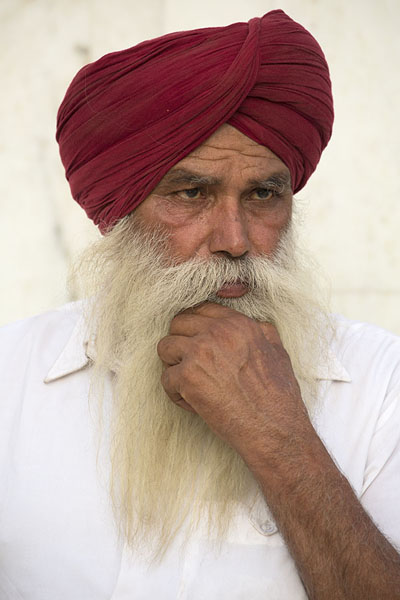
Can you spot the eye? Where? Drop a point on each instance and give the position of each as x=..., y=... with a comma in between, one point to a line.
x=190, y=193
x=263, y=194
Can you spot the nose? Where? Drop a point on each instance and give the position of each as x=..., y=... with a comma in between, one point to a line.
x=229, y=233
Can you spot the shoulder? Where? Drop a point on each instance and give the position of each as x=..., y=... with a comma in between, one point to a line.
x=354, y=408
x=40, y=337
x=365, y=339
x=370, y=354
x=351, y=331
x=63, y=315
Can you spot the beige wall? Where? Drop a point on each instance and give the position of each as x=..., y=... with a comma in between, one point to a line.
x=351, y=204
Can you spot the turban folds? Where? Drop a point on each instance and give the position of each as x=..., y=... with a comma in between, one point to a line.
x=127, y=118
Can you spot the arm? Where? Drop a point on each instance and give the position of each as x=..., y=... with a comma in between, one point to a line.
x=236, y=375
x=339, y=552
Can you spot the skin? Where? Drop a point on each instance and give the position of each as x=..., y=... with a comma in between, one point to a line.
x=238, y=213
x=219, y=363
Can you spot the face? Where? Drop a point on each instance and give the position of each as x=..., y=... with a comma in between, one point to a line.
x=238, y=205
x=229, y=197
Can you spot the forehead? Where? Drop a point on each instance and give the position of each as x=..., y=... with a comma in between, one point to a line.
x=229, y=151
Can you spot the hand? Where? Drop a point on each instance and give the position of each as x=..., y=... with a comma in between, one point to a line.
x=235, y=373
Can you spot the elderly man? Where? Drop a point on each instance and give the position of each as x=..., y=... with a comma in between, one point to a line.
x=200, y=426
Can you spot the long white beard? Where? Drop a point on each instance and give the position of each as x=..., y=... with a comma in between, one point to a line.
x=168, y=467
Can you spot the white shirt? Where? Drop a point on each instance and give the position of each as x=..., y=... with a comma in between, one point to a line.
x=57, y=538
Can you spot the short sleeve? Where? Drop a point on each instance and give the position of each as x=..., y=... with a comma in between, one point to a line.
x=381, y=490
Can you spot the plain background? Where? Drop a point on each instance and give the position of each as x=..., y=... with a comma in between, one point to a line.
x=350, y=206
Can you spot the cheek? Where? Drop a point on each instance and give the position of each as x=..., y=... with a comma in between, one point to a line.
x=187, y=227
x=265, y=231
x=264, y=240
x=187, y=238
x=173, y=215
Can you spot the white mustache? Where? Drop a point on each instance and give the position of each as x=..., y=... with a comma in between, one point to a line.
x=155, y=447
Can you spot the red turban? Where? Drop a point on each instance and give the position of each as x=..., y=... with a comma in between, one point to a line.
x=127, y=118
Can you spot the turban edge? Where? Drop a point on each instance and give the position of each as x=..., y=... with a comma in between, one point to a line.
x=127, y=118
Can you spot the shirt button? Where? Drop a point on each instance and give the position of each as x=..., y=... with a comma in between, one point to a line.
x=268, y=528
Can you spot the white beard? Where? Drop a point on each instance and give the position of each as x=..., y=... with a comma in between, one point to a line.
x=168, y=467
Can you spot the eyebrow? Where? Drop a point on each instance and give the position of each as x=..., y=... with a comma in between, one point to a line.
x=281, y=180
x=184, y=176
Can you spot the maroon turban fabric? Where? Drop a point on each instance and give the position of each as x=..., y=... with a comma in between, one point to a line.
x=127, y=118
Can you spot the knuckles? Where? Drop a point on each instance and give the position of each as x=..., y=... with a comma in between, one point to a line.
x=180, y=385
x=230, y=335
x=162, y=347
x=165, y=379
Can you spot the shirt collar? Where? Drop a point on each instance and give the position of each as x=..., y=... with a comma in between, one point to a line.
x=79, y=352
x=74, y=356
x=333, y=369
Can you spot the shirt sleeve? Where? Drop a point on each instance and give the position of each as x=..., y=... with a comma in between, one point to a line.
x=381, y=490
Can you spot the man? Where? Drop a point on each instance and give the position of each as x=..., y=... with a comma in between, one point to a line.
x=199, y=426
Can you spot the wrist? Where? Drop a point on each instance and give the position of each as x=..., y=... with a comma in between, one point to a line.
x=282, y=463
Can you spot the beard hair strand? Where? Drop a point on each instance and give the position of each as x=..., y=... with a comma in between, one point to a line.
x=169, y=471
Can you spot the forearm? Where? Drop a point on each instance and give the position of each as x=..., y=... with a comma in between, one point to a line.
x=339, y=552
x=235, y=374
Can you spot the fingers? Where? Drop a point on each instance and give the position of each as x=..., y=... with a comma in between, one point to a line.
x=195, y=320
x=191, y=321
x=187, y=324
x=169, y=381
x=210, y=309
x=172, y=348
x=271, y=333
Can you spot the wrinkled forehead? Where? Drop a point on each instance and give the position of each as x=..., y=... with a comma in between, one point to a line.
x=227, y=154
x=228, y=140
